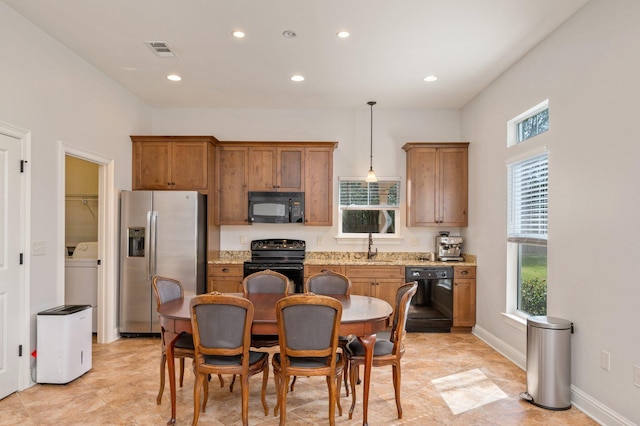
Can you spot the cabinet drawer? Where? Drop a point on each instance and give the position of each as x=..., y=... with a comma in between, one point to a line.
x=316, y=269
x=365, y=271
x=464, y=271
x=225, y=270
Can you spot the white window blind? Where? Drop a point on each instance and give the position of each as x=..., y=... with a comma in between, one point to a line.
x=360, y=193
x=528, y=200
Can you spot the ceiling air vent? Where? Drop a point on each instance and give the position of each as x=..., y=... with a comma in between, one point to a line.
x=161, y=49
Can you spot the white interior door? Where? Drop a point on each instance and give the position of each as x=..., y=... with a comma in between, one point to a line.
x=10, y=267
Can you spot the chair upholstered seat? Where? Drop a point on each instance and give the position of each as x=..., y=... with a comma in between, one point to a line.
x=382, y=347
x=218, y=360
x=308, y=362
x=185, y=341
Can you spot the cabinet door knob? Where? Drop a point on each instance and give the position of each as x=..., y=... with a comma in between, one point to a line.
x=225, y=269
x=464, y=272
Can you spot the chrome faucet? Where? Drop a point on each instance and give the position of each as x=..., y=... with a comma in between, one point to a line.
x=370, y=254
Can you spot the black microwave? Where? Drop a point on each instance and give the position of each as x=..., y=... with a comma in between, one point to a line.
x=276, y=207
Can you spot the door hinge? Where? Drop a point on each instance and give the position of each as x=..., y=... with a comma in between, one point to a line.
x=19, y=350
x=21, y=258
x=22, y=163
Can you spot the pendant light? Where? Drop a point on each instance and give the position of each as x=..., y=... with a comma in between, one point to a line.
x=371, y=176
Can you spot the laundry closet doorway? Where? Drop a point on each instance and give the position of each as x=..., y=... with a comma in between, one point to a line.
x=81, y=233
x=107, y=233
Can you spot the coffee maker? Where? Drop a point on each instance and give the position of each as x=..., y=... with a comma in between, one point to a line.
x=449, y=248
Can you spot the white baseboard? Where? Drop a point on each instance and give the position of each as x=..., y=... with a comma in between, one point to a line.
x=582, y=401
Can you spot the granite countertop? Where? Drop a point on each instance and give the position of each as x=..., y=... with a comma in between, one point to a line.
x=353, y=258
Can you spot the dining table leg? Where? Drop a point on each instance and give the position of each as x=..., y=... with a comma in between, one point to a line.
x=171, y=363
x=369, y=343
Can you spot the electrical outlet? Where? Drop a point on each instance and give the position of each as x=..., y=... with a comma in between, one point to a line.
x=243, y=239
x=319, y=240
x=636, y=376
x=605, y=360
x=415, y=242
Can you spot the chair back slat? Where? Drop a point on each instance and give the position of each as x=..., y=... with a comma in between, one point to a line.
x=328, y=282
x=166, y=289
x=221, y=324
x=403, y=300
x=266, y=281
x=308, y=326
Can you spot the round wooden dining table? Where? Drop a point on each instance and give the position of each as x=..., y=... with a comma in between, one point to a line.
x=362, y=316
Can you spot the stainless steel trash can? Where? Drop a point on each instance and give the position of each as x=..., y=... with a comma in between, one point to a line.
x=549, y=362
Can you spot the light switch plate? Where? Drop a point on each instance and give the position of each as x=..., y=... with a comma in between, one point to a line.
x=38, y=248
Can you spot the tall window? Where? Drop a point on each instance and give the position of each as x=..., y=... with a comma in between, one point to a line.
x=528, y=182
x=369, y=207
x=527, y=231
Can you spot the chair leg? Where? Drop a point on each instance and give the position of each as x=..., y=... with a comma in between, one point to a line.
x=338, y=387
x=332, y=400
x=205, y=388
x=265, y=379
x=276, y=380
x=181, y=371
x=163, y=364
x=293, y=382
x=284, y=385
x=233, y=380
x=221, y=380
x=353, y=376
x=197, y=386
x=244, y=385
x=396, y=386
x=345, y=372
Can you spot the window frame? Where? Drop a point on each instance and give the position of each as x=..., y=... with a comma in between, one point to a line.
x=519, y=151
x=397, y=216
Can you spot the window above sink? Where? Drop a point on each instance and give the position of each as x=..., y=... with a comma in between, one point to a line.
x=366, y=207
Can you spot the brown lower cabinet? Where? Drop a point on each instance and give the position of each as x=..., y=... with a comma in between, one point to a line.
x=382, y=282
x=464, y=297
x=225, y=278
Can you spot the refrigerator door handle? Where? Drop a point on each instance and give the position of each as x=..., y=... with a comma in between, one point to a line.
x=152, y=223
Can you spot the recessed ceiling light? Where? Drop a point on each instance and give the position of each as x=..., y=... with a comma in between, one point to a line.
x=297, y=77
x=174, y=77
x=343, y=34
x=238, y=34
x=430, y=78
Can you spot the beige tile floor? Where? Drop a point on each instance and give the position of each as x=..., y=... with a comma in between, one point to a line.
x=448, y=379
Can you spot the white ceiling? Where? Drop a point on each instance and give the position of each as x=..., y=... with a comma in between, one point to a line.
x=392, y=47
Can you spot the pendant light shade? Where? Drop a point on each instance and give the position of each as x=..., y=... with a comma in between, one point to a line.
x=371, y=176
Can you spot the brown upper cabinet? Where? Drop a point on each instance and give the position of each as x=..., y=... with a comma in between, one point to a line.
x=437, y=183
x=274, y=166
x=231, y=198
x=171, y=162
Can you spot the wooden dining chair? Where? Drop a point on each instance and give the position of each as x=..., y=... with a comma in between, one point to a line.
x=328, y=283
x=165, y=290
x=266, y=281
x=221, y=325
x=385, y=352
x=308, y=327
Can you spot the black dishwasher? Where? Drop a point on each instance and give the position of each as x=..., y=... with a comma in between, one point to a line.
x=431, y=308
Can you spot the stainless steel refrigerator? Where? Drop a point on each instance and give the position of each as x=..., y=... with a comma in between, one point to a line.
x=162, y=233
